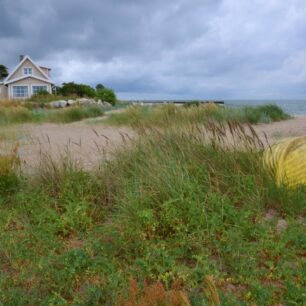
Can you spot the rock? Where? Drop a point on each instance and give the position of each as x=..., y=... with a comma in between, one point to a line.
x=71, y=102
x=107, y=104
x=86, y=101
x=281, y=225
x=58, y=104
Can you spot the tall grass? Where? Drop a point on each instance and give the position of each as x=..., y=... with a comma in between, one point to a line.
x=178, y=210
x=20, y=114
x=170, y=114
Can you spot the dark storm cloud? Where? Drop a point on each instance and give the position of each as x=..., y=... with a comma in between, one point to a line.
x=182, y=48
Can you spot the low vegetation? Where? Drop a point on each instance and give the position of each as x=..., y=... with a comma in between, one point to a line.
x=169, y=114
x=101, y=92
x=179, y=217
x=16, y=113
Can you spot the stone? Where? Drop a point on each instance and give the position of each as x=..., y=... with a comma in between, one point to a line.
x=107, y=104
x=58, y=104
x=71, y=102
x=86, y=101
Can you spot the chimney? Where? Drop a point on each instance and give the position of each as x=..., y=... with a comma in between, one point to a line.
x=21, y=57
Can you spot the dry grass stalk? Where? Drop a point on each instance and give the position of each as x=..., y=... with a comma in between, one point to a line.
x=9, y=161
x=154, y=295
x=211, y=291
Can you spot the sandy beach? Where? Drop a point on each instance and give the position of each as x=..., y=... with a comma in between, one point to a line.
x=282, y=129
x=88, y=141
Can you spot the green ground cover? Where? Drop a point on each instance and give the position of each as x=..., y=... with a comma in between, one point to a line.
x=176, y=211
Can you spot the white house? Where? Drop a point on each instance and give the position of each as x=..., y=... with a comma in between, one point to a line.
x=25, y=80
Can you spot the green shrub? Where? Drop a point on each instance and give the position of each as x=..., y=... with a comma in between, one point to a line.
x=264, y=114
x=106, y=95
x=274, y=112
x=79, y=90
x=40, y=95
x=42, y=98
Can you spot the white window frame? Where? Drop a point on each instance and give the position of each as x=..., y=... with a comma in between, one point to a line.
x=21, y=97
x=39, y=85
x=28, y=71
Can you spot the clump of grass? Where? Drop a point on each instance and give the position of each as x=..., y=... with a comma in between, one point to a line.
x=170, y=114
x=16, y=114
x=264, y=113
x=179, y=208
x=10, y=103
x=8, y=135
x=9, y=166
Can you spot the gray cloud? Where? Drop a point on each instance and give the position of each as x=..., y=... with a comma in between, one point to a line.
x=164, y=49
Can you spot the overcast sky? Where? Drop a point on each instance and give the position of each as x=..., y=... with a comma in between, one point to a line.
x=214, y=49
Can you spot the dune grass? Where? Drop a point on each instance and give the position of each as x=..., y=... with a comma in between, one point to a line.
x=177, y=217
x=170, y=114
x=16, y=114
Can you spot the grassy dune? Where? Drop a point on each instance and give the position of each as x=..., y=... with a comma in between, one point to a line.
x=177, y=218
x=169, y=114
x=16, y=113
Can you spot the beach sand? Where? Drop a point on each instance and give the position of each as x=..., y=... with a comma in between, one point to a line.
x=282, y=129
x=87, y=142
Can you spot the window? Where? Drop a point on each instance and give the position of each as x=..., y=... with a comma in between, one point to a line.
x=27, y=71
x=20, y=91
x=36, y=89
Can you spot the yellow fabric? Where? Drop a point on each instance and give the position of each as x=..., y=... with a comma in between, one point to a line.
x=287, y=160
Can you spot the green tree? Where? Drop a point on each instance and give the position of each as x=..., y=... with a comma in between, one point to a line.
x=107, y=95
x=99, y=87
x=80, y=90
x=3, y=72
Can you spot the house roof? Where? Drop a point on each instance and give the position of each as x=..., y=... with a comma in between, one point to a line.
x=26, y=77
x=6, y=81
x=45, y=67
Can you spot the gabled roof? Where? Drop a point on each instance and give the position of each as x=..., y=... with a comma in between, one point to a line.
x=45, y=67
x=20, y=64
x=25, y=77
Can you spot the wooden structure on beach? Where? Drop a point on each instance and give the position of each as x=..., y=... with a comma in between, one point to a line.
x=180, y=102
